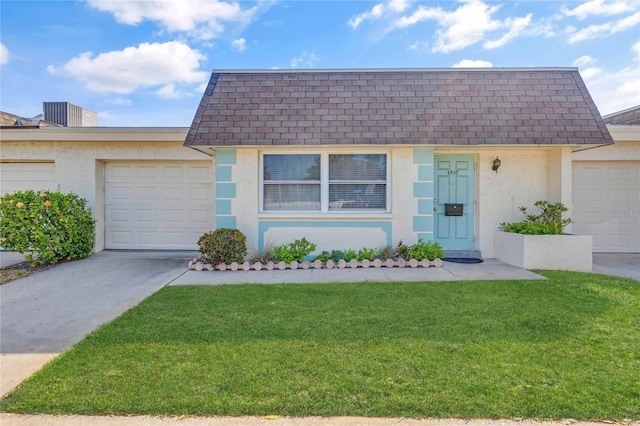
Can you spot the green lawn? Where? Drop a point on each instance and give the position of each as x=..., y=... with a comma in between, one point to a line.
x=568, y=347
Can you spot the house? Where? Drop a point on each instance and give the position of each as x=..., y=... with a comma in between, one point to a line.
x=364, y=158
x=606, y=187
x=146, y=190
x=345, y=158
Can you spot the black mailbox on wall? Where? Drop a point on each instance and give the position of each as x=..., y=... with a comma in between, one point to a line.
x=453, y=209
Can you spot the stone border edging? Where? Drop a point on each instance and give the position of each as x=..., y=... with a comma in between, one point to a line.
x=197, y=265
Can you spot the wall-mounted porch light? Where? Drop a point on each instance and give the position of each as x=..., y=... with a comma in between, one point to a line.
x=496, y=164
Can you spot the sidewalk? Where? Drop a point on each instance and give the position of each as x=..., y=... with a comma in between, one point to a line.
x=490, y=269
x=49, y=420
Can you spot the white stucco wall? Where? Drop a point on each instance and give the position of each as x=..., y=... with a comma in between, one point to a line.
x=626, y=147
x=527, y=174
x=79, y=155
x=523, y=178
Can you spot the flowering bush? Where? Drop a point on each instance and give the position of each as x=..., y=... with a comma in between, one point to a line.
x=46, y=226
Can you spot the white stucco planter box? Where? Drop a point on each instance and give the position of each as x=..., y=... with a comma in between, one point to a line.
x=554, y=252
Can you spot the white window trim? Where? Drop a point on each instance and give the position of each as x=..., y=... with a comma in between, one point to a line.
x=324, y=186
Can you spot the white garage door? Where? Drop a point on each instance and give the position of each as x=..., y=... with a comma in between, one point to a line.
x=23, y=176
x=606, y=204
x=158, y=205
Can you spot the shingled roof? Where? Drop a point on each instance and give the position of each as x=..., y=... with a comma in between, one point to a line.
x=426, y=106
x=627, y=117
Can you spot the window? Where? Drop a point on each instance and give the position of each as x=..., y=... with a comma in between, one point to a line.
x=324, y=182
x=291, y=182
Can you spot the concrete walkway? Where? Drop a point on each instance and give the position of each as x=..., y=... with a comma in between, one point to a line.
x=47, y=420
x=490, y=269
x=626, y=265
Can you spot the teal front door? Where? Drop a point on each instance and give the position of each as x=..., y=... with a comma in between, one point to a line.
x=454, y=184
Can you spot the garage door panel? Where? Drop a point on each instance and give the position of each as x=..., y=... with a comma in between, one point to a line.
x=606, y=204
x=621, y=195
x=590, y=173
x=202, y=173
x=620, y=173
x=157, y=205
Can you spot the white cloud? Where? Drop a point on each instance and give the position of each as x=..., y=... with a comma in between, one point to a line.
x=239, y=44
x=106, y=115
x=4, y=54
x=586, y=72
x=120, y=101
x=201, y=19
x=378, y=11
x=599, y=7
x=148, y=65
x=419, y=45
x=307, y=59
x=516, y=27
x=473, y=63
x=590, y=73
x=467, y=25
x=615, y=90
x=603, y=30
x=583, y=60
x=169, y=91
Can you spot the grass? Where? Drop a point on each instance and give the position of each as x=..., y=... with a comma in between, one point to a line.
x=568, y=347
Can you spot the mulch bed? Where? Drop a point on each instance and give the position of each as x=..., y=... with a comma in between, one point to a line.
x=20, y=270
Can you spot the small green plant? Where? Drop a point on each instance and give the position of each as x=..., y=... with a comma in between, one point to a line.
x=46, y=226
x=263, y=256
x=224, y=245
x=366, y=254
x=425, y=250
x=349, y=255
x=385, y=253
x=334, y=255
x=548, y=221
x=402, y=250
x=296, y=250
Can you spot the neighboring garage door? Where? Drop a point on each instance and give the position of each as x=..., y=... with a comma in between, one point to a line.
x=158, y=205
x=606, y=204
x=22, y=176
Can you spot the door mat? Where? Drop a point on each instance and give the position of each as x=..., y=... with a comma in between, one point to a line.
x=462, y=260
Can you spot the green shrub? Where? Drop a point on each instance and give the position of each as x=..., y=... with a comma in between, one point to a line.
x=349, y=255
x=527, y=228
x=334, y=255
x=296, y=250
x=402, y=250
x=425, y=250
x=224, y=245
x=385, y=253
x=46, y=226
x=366, y=254
x=548, y=220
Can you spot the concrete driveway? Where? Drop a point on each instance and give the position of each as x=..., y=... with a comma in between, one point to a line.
x=43, y=314
x=625, y=265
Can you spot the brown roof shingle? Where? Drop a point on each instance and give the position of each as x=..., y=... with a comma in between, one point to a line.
x=627, y=117
x=430, y=106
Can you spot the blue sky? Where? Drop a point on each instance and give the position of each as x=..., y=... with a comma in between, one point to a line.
x=146, y=63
